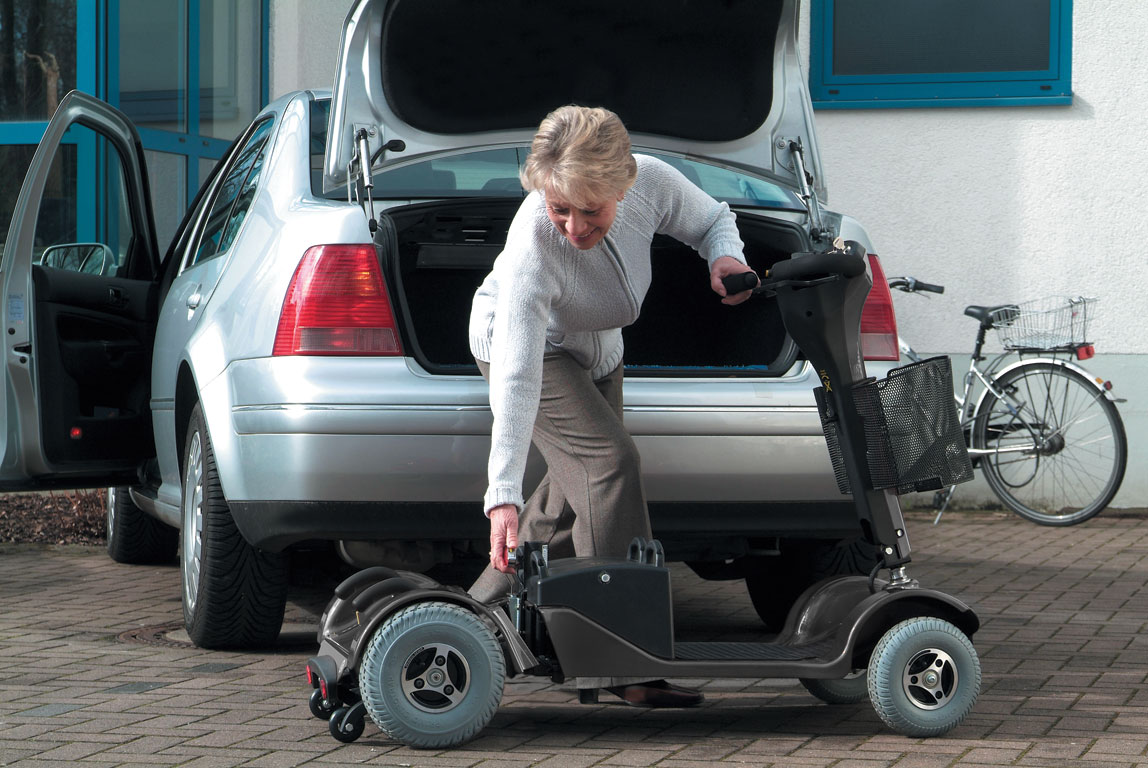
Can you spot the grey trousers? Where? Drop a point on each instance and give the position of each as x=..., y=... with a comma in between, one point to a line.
x=590, y=501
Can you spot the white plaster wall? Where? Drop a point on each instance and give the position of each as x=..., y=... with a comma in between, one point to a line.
x=1001, y=204
x=305, y=43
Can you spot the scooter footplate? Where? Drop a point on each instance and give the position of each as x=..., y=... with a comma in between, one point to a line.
x=749, y=651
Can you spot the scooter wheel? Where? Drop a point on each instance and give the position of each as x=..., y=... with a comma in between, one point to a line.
x=345, y=725
x=432, y=675
x=924, y=677
x=847, y=690
x=320, y=707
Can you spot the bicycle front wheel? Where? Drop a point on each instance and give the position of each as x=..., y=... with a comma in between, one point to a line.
x=1057, y=444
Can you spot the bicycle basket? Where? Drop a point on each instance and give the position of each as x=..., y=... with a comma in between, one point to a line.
x=1054, y=322
x=913, y=438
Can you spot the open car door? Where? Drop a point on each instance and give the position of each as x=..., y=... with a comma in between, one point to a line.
x=79, y=307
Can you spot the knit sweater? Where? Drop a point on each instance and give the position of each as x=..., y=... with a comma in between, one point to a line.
x=544, y=295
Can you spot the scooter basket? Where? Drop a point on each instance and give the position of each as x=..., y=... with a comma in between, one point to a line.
x=913, y=439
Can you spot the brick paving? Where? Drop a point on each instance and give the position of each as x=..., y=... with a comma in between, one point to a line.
x=95, y=673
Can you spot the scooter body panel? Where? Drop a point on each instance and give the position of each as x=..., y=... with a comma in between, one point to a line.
x=830, y=633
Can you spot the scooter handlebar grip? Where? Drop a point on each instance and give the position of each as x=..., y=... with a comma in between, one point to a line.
x=742, y=281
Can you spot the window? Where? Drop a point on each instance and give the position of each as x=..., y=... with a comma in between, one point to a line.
x=233, y=198
x=927, y=53
x=64, y=240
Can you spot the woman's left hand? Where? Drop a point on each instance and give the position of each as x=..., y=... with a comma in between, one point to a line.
x=727, y=265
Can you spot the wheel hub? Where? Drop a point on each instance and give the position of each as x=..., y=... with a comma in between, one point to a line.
x=930, y=679
x=191, y=556
x=435, y=678
x=1053, y=445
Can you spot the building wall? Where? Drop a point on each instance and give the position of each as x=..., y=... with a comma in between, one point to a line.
x=997, y=204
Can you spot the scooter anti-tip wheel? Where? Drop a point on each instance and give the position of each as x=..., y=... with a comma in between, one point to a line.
x=347, y=724
x=432, y=675
x=924, y=677
x=320, y=707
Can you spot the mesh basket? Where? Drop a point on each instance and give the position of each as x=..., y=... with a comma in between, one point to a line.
x=1054, y=322
x=914, y=441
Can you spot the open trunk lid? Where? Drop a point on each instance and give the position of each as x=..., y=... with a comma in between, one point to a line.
x=715, y=79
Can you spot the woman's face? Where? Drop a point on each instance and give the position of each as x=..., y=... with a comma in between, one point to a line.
x=583, y=227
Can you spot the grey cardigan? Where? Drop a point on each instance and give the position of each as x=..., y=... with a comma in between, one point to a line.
x=544, y=295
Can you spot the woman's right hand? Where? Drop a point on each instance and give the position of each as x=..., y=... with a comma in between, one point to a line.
x=503, y=536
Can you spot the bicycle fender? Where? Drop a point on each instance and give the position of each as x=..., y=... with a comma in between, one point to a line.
x=1089, y=377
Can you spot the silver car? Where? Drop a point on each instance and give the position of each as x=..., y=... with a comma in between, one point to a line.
x=293, y=368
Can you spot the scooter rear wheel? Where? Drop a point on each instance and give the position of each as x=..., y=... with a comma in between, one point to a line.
x=432, y=675
x=924, y=677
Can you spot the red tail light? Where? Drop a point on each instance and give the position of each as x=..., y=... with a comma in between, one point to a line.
x=1085, y=352
x=878, y=322
x=337, y=305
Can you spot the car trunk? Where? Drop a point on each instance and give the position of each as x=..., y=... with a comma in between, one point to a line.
x=437, y=254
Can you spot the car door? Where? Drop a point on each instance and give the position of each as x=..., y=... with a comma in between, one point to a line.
x=78, y=341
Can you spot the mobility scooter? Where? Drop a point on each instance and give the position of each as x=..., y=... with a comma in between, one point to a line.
x=427, y=663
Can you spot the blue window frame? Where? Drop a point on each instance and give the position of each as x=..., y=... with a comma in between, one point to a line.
x=868, y=54
x=95, y=70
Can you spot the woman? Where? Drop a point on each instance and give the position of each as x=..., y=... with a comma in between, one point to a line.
x=545, y=329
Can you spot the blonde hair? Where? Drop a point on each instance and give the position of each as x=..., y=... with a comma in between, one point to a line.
x=581, y=154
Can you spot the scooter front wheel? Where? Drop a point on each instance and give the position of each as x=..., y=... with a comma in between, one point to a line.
x=924, y=677
x=432, y=675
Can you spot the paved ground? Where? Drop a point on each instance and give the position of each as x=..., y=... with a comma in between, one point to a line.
x=94, y=673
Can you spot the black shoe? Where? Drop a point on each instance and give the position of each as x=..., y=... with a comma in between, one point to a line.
x=657, y=693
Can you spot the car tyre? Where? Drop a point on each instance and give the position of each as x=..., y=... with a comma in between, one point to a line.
x=234, y=594
x=774, y=582
x=851, y=689
x=133, y=536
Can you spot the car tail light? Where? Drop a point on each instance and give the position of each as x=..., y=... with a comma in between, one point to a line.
x=337, y=305
x=878, y=321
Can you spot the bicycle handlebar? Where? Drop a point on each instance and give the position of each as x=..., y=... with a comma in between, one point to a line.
x=913, y=285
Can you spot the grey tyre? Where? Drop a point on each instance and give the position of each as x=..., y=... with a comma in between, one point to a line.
x=234, y=594
x=848, y=690
x=432, y=675
x=924, y=677
x=135, y=537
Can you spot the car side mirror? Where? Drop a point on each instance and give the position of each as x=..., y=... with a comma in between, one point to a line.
x=89, y=258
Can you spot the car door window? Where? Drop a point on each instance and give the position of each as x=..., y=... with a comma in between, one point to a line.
x=233, y=198
x=97, y=239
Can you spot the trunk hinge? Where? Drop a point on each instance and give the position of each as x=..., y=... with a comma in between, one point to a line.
x=361, y=161
x=807, y=192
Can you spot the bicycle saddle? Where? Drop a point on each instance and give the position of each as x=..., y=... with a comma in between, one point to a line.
x=988, y=315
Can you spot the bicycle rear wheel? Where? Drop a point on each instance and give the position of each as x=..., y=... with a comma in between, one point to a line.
x=1059, y=449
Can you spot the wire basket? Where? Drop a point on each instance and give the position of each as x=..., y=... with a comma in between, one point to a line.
x=1054, y=322
x=913, y=439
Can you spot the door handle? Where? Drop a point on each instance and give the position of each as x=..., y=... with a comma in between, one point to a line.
x=195, y=299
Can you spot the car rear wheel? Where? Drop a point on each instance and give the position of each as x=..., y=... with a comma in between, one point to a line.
x=234, y=595
x=775, y=582
x=135, y=537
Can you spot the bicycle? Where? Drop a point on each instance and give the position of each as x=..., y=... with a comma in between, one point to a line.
x=1045, y=431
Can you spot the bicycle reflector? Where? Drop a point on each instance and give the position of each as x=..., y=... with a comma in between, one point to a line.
x=1085, y=352
x=878, y=321
x=337, y=305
